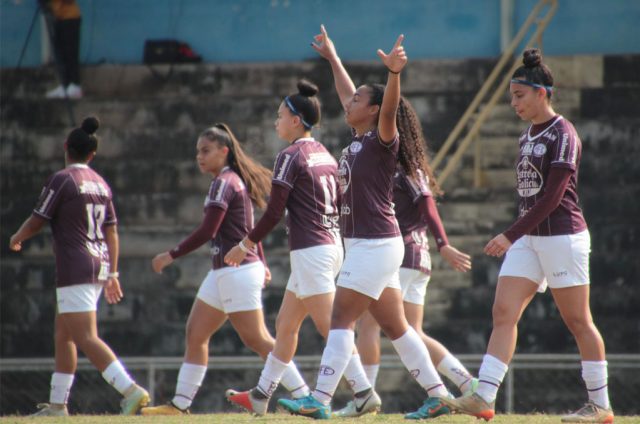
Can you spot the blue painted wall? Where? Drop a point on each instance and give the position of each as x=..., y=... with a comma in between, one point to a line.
x=114, y=31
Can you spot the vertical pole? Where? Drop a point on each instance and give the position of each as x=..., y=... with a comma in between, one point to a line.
x=506, y=23
x=151, y=381
x=509, y=389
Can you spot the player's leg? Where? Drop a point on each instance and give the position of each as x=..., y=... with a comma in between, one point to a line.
x=573, y=304
x=66, y=358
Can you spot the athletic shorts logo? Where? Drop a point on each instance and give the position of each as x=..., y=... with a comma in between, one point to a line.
x=326, y=370
x=415, y=373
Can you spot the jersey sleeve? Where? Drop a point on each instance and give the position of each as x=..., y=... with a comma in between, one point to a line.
x=52, y=196
x=220, y=194
x=564, y=149
x=286, y=169
x=417, y=188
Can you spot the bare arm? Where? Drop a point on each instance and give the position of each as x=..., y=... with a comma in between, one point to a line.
x=29, y=228
x=394, y=61
x=344, y=86
x=112, y=289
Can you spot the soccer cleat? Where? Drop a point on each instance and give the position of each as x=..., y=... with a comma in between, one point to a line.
x=431, y=408
x=57, y=93
x=248, y=401
x=590, y=413
x=473, y=388
x=49, y=410
x=74, y=91
x=168, y=409
x=307, y=406
x=134, y=398
x=471, y=404
x=369, y=404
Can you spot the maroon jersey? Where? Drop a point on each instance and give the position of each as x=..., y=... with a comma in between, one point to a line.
x=366, y=174
x=552, y=144
x=78, y=204
x=407, y=192
x=228, y=192
x=310, y=173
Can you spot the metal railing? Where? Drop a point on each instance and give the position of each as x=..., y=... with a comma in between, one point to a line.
x=619, y=364
x=479, y=109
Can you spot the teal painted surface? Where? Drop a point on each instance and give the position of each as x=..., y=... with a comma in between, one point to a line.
x=114, y=31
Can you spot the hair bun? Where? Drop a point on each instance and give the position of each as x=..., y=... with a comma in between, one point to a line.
x=90, y=125
x=531, y=58
x=307, y=89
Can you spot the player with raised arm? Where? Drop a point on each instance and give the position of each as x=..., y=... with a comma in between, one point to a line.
x=414, y=191
x=368, y=279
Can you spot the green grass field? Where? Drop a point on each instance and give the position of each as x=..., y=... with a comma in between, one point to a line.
x=282, y=418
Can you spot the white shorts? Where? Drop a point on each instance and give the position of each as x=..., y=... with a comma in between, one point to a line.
x=78, y=298
x=314, y=270
x=559, y=261
x=231, y=289
x=414, y=285
x=371, y=265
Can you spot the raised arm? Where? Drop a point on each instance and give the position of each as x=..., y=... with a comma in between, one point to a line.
x=325, y=48
x=395, y=61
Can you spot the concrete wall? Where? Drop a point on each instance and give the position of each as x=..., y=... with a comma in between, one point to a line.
x=114, y=31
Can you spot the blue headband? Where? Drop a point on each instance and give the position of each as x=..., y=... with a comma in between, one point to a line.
x=548, y=88
x=295, y=112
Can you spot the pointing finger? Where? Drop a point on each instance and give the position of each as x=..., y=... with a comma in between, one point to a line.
x=399, y=41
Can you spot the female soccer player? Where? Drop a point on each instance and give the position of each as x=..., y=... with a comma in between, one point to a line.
x=415, y=208
x=77, y=202
x=304, y=182
x=368, y=279
x=226, y=292
x=548, y=244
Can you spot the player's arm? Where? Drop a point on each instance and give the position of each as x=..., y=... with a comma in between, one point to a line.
x=458, y=260
x=207, y=229
x=325, y=48
x=29, y=228
x=275, y=209
x=112, y=289
x=395, y=61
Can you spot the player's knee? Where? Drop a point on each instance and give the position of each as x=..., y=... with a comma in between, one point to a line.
x=578, y=325
x=504, y=314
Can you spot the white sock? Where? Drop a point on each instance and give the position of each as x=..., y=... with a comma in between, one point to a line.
x=595, y=376
x=118, y=377
x=371, y=371
x=491, y=374
x=60, y=388
x=292, y=380
x=335, y=357
x=453, y=369
x=416, y=359
x=271, y=375
x=355, y=375
x=189, y=381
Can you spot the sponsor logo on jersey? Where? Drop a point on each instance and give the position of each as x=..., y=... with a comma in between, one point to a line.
x=344, y=174
x=220, y=192
x=529, y=178
x=46, y=201
x=283, y=167
x=527, y=148
x=563, y=148
x=550, y=136
x=540, y=149
x=345, y=210
x=320, y=158
x=93, y=187
x=355, y=147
